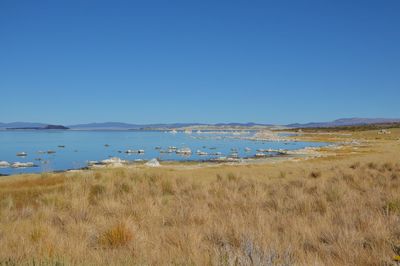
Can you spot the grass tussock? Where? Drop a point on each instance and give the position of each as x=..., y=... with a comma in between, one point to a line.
x=344, y=214
x=118, y=235
x=96, y=191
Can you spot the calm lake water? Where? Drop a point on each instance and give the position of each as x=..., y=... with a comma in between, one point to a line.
x=83, y=146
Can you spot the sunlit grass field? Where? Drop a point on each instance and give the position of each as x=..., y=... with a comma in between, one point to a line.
x=342, y=210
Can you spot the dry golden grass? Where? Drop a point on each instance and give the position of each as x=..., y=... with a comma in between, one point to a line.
x=328, y=211
x=116, y=236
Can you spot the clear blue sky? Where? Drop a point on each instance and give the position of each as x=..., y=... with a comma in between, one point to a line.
x=69, y=61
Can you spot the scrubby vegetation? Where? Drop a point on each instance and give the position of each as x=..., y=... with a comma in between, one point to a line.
x=349, y=215
x=354, y=128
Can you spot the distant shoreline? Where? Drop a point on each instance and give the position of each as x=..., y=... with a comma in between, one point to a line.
x=341, y=123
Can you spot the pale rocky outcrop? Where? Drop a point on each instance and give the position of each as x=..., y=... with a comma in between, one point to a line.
x=22, y=165
x=114, y=161
x=4, y=164
x=153, y=163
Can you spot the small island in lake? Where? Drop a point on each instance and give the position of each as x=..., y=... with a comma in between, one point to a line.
x=48, y=127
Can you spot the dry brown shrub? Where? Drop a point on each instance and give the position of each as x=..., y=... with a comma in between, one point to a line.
x=355, y=165
x=122, y=188
x=372, y=165
x=315, y=174
x=232, y=177
x=116, y=236
x=387, y=166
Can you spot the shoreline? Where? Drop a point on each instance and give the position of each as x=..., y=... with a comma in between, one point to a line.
x=340, y=143
x=343, y=145
x=302, y=154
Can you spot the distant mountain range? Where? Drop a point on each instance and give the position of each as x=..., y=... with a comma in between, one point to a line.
x=117, y=125
x=126, y=126
x=120, y=126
